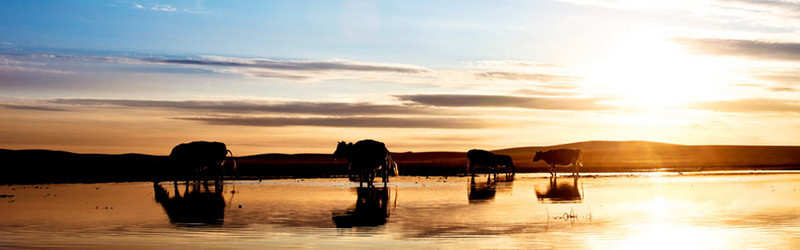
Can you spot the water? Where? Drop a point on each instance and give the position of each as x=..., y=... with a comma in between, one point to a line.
x=652, y=211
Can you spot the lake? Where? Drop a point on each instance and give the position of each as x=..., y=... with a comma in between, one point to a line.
x=634, y=211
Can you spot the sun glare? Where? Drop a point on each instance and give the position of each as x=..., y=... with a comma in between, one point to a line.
x=646, y=71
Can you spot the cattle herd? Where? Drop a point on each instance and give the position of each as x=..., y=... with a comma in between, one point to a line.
x=366, y=160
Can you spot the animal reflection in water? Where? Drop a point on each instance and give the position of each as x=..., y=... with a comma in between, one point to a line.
x=564, y=192
x=199, y=204
x=481, y=192
x=371, y=209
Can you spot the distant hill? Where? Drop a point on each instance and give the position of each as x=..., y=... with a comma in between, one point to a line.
x=644, y=155
x=46, y=166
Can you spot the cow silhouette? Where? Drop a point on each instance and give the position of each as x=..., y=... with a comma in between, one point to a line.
x=197, y=205
x=201, y=158
x=371, y=209
x=506, y=165
x=366, y=159
x=564, y=192
x=560, y=157
x=483, y=159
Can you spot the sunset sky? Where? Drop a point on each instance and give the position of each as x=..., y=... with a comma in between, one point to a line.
x=298, y=76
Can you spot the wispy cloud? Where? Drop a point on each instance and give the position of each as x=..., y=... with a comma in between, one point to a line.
x=757, y=13
x=500, y=64
x=31, y=107
x=8, y=64
x=751, y=105
x=516, y=76
x=364, y=122
x=295, y=70
x=160, y=7
x=297, y=65
x=787, y=79
x=783, y=89
x=242, y=107
x=764, y=50
x=163, y=7
x=454, y=100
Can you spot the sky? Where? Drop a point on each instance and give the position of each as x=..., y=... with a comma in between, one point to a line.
x=299, y=76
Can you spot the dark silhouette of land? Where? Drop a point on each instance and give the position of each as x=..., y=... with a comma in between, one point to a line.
x=45, y=166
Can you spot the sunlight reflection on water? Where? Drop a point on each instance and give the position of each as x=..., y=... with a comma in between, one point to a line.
x=664, y=211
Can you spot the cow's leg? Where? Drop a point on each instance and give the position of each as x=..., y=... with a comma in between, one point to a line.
x=371, y=174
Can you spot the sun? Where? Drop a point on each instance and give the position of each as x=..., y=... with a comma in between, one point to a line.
x=647, y=71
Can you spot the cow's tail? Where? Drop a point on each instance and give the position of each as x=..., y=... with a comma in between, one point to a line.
x=391, y=165
x=580, y=158
x=232, y=159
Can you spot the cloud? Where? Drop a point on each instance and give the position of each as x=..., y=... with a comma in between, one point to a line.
x=545, y=78
x=296, y=65
x=8, y=64
x=163, y=7
x=764, y=50
x=241, y=107
x=782, y=89
x=781, y=78
x=557, y=103
x=295, y=70
x=744, y=13
x=750, y=105
x=7, y=45
x=511, y=63
x=363, y=122
x=31, y=107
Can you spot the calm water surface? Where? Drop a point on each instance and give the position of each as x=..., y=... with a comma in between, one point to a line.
x=648, y=211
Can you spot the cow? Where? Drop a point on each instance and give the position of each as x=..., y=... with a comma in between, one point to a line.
x=483, y=158
x=201, y=158
x=366, y=159
x=563, y=157
x=505, y=163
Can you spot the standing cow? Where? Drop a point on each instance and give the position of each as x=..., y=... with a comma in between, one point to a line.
x=560, y=157
x=505, y=163
x=201, y=158
x=366, y=159
x=483, y=158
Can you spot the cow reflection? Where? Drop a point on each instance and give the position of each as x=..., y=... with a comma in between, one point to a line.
x=481, y=192
x=199, y=203
x=372, y=209
x=564, y=192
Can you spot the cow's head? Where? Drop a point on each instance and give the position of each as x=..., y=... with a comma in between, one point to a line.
x=538, y=156
x=342, y=150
